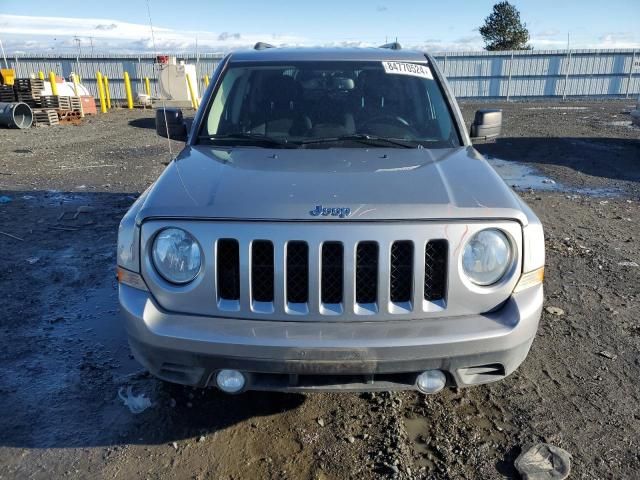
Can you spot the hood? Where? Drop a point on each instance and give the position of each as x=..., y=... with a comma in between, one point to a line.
x=373, y=184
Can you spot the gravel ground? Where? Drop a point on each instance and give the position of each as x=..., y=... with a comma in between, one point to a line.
x=64, y=358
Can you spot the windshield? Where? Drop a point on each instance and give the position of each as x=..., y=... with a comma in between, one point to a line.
x=321, y=104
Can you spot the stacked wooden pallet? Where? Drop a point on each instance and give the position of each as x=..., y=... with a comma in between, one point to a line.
x=50, y=101
x=6, y=94
x=45, y=116
x=76, y=104
x=71, y=104
x=29, y=90
x=62, y=103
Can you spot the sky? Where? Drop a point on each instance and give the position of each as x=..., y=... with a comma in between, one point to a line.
x=122, y=26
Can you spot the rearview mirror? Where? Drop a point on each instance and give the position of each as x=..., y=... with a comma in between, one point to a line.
x=486, y=126
x=170, y=123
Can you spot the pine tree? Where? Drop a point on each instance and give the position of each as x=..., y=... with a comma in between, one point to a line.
x=503, y=29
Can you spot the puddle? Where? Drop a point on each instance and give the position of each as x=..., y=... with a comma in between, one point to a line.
x=89, y=316
x=54, y=197
x=437, y=427
x=557, y=108
x=67, y=388
x=524, y=177
x=95, y=321
x=417, y=429
x=621, y=123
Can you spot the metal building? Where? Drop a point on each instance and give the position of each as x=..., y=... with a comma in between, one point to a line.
x=481, y=74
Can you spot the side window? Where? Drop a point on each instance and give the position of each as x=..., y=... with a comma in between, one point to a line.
x=438, y=111
x=220, y=101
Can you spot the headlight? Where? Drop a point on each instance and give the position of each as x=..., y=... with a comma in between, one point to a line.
x=486, y=257
x=176, y=255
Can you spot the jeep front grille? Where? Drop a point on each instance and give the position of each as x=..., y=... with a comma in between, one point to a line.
x=333, y=274
x=329, y=271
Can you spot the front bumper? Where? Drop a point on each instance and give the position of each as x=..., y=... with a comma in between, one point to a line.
x=299, y=356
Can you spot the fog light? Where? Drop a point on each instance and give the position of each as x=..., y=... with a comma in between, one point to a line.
x=230, y=381
x=431, y=381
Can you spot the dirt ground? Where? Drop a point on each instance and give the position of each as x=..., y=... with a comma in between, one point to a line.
x=64, y=358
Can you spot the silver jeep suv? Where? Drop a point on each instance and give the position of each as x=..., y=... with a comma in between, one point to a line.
x=329, y=226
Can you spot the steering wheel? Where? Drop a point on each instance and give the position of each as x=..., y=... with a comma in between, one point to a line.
x=391, y=120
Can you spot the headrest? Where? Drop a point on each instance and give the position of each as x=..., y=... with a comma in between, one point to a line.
x=377, y=83
x=282, y=90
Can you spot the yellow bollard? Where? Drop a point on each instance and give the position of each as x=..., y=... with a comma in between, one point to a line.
x=206, y=80
x=74, y=79
x=127, y=88
x=103, y=106
x=54, y=85
x=147, y=86
x=194, y=101
x=107, y=91
x=41, y=75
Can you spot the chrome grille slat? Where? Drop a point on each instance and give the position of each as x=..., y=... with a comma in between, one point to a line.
x=418, y=277
x=279, y=268
x=314, y=277
x=349, y=277
x=384, y=267
x=245, y=275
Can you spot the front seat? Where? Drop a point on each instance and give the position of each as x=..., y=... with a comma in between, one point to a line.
x=280, y=110
x=380, y=99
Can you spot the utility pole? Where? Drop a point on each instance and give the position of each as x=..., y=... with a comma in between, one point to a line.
x=566, y=70
x=6, y=64
x=78, y=41
x=91, y=43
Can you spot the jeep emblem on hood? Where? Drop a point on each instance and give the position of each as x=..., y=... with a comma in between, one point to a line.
x=341, y=212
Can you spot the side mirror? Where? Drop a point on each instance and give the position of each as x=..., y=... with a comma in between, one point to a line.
x=486, y=126
x=170, y=123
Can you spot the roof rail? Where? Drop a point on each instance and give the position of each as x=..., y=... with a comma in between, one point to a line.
x=262, y=46
x=392, y=46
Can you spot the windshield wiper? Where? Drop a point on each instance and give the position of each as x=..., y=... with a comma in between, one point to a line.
x=362, y=138
x=255, y=137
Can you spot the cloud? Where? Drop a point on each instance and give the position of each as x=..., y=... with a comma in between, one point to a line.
x=102, y=26
x=466, y=43
x=619, y=40
x=23, y=34
x=550, y=33
x=226, y=36
x=40, y=34
x=548, y=43
x=382, y=8
x=555, y=40
x=31, y=34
